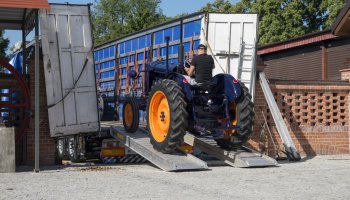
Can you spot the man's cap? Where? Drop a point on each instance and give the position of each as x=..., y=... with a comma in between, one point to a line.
x=202, y=46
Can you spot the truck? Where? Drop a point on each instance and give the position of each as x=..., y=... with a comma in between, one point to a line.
x=72, y=82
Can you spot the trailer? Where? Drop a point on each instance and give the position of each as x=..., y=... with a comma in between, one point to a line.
x=71, y=80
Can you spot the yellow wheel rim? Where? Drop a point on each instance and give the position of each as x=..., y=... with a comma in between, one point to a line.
x=128, y=114
x=233, y=112
x=159, y=116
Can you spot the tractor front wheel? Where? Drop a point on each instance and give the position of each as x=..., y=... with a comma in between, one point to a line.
x=131, y=115
x=166, y=116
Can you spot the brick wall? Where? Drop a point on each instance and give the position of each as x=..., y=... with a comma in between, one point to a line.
x=47, y=144
x=316, y=114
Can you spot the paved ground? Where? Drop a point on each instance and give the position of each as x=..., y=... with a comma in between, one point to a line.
x=325, y=177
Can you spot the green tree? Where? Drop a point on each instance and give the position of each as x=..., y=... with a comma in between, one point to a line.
x=115, y=18
x=220, y=6
x=4, y=43
x=283, y=19
x=334, y=7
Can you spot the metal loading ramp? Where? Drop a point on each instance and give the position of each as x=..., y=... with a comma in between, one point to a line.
x=140, y=143
x=291, y=151
x=242, y=157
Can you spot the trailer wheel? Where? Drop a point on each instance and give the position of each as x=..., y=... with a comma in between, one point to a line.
x=166, y=116
x=73, y=149
x=131, y=115
x=59, y=153
x=244, y=119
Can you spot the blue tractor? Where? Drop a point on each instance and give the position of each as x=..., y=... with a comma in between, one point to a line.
x=221, y=108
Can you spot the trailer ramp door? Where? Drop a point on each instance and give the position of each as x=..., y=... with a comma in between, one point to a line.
x=232, y=39
x=69, y=69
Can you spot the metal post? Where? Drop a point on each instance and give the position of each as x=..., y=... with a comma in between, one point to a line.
x=37, y=92
x=167, y=54
x=24, y=74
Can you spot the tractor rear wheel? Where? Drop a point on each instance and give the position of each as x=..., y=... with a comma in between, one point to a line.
x=166, y=116
x=131, y=115
x=244, y=119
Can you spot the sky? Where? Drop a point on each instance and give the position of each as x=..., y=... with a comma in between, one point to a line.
x=169, y=7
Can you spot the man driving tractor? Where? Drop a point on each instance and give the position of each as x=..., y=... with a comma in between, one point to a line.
x=201, y=67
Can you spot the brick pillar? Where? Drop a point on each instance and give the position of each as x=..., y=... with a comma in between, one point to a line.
x=345, y=74
x=47, y=144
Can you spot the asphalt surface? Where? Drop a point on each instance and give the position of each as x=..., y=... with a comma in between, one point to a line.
x=322, y=177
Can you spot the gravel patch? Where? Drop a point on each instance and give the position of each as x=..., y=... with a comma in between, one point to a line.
x=322, y=177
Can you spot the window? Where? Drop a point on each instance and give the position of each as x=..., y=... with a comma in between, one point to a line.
x=148, y=40
x=100, y=54
x=140, y=56
x=175, y=49
x=155, y=53
x=176, y=34
x=123, y=60
x=192, y=29
x=142, y=42
x=195, y=44
x=112, y=51
x=187, y=46
x=134, y=45
x=122, y=48
x=123, y=82
x=123, y=71
x=112, y=63
x=128, y=46
x=163, y=51
x=158, y=37
x=132, y=58
x=140, y=68
x=168, y=33
x=106, y=53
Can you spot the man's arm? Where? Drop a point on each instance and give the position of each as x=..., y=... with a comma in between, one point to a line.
x=190, y=70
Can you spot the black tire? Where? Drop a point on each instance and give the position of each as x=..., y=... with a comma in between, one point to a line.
x=178, y=116
x=132, y=124
x=59, y=152
x=100, y=107
x=245, y=109
x=73, y=149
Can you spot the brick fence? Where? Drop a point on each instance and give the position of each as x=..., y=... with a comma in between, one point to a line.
x=316, y=114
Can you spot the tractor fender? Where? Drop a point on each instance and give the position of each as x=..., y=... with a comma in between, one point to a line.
x=227, y=84
x=182, y=82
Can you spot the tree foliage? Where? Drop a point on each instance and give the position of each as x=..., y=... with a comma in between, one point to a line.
x=115, y=18
x=4, y=43
x=283, y=19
